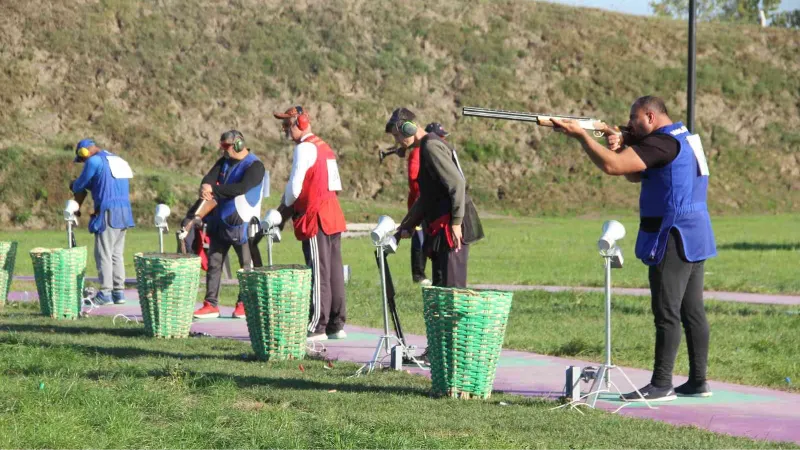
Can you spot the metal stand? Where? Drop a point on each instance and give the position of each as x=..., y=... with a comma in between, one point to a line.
x=273, y=235
x=72, y=221
x=384, y=343
x=601, y=375
x=161, y=230
x=269, y=248
x=70, y=237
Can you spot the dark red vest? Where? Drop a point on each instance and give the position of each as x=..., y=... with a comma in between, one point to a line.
x=317, y=205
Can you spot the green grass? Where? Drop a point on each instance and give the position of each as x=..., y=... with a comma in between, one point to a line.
x=756, y=253
x=93, y=384
x=750, y=344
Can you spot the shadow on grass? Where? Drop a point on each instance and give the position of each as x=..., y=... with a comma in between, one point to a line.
x=177, y=371
x=128, y=352
x=761, y=246
x=206, y=379
x=76, y=330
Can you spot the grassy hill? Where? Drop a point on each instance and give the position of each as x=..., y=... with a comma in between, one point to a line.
x=157, y=81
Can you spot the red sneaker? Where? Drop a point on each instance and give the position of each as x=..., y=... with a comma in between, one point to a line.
x=238, y=313
x=208, y=311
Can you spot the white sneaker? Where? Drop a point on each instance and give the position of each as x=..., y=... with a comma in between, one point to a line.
x=425, y=282
x=338, y=335
x=317, y=337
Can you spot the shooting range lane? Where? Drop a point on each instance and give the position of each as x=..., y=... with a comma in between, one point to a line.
x=738, y=410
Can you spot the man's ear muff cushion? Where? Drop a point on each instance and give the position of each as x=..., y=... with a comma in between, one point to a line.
x=408, y=129
x=302, y=122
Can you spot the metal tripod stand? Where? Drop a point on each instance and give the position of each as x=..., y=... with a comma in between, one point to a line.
x=601, y=376
x=385, y=341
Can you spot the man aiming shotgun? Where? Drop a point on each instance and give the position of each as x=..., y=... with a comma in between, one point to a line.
x=675, y=234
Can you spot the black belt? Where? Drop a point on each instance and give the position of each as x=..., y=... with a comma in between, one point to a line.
x=650, y=224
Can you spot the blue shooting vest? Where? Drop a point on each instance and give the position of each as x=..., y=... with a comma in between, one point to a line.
x=232, y=216
x=110, y=195
x=676, y=193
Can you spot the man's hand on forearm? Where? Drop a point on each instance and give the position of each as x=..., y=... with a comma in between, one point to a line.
x=456, y=236
x=206, y=192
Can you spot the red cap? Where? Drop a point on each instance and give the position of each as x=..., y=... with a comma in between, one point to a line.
x=290, y=113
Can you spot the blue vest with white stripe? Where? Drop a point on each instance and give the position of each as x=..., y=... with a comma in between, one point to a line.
x=232, y=216
x=676, y=193
x=111, y=195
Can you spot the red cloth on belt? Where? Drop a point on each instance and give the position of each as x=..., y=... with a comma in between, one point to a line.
x=442, y=223
x=199, y=246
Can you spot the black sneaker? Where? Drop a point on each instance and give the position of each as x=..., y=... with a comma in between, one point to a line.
x=693, y=389
x=651, y=394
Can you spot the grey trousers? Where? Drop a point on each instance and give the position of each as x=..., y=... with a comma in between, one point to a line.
x=108, y=255
x=217, y=250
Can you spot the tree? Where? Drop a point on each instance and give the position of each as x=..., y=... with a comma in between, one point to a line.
x=747, y=10
x=679, y=9
x=727, y=10
x=788, y=19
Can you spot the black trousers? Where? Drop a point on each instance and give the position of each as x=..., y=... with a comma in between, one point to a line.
x=328, y=311
x=449, y=267
x=676, y=287
x=418, y=258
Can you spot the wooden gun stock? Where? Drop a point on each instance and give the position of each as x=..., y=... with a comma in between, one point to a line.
x=197, y=212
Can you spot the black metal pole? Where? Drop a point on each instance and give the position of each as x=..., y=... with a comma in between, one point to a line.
x=690, y=89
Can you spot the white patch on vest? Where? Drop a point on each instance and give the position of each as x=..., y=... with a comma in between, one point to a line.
x=245, y=210
x=334, y=181
x=119, y=167
x=678, y=131
x=697, y=148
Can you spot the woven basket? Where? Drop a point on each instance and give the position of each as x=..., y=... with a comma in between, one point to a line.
x=167, y=285
x=465, y=329
x=8, y=257
x=59, y=275
x=276, y=301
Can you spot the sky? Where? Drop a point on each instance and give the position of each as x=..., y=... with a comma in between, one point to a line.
x=642, y=7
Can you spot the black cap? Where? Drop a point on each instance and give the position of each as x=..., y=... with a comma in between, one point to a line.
x=436, y=127
x=399, y=115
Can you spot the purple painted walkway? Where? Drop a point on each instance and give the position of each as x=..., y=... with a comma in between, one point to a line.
x=734, y=409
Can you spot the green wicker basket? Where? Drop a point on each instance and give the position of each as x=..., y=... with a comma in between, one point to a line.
x=167, y=285
x=59, y=275
x=8, y=257
x=465, y=329
x=276, y=301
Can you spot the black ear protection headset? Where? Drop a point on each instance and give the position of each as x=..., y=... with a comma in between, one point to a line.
x=238, y=139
